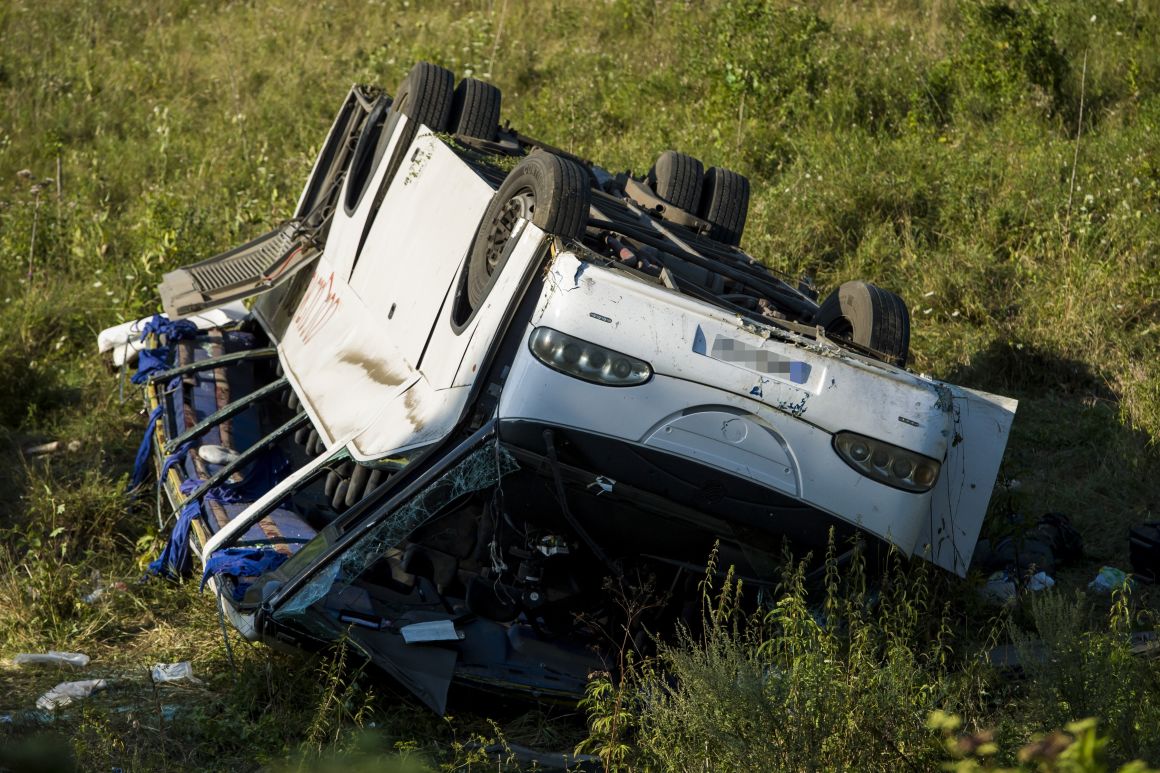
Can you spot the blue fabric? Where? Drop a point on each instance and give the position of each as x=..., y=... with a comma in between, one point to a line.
x=175, y=560
x=149, y=361
x=173, y=331
x=159, y=358
x=242, y=562
x=263, y=474
x=174, y=459
x=215, y=493
x=141, y=463
x=189, y=486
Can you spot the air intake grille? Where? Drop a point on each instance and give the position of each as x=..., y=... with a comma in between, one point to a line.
x=246, y=264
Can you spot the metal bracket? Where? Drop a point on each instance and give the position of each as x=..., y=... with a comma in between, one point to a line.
x=227, y=412
x=654, y=204
x=213, y=362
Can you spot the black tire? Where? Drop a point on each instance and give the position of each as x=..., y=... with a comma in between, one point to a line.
x=475, y=109
x=331, y=485
x=677, y=178
x=338, y=501
x=550, y=191
x=425, y=97
x=725, y=204
x=869, y=316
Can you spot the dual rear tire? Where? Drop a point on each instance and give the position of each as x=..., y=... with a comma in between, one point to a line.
x=553, y=193
x=718, y=196
x=870, y=317
x=428, y=96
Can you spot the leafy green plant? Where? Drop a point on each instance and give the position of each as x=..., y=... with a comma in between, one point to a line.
x=1077, y=669
x=1079, y=748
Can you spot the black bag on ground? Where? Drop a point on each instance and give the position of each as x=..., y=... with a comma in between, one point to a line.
x=1144, y=550
x=1051, y=542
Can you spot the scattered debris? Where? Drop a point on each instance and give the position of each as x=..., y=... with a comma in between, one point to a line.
x=99, y=591
x=67, y=692
x=170, y=673
x=436, y=630
x=1146, y=644
x=52, y=657
x=28, y=717
x=45, y=449
x=1109, y=578
x=1050, y=543
x=534, y=759
x=168, y=712
x=1010, y=659
x=1001, y=588
x=214, y=454
x=42, y=449
x=1040, y=581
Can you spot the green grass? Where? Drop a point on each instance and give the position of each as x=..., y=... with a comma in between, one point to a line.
x=930, y=147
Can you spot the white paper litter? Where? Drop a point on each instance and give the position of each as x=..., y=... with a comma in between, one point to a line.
x=166, y=673
x=67, y=692
x=436, y=630
x=52, y=658
x=1000, y=588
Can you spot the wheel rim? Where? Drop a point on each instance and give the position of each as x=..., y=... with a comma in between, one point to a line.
x=521, y=205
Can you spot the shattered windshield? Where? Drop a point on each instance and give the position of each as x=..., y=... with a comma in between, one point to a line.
x=481, y=469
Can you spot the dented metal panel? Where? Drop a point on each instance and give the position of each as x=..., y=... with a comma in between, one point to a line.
x=764, y=407
x=414, y=250
x=434, y=404
x=346, y=229
x=980, y=425
x=352, y=347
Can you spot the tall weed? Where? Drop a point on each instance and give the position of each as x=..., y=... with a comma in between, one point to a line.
x=1076, y=669
x=848, y=678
